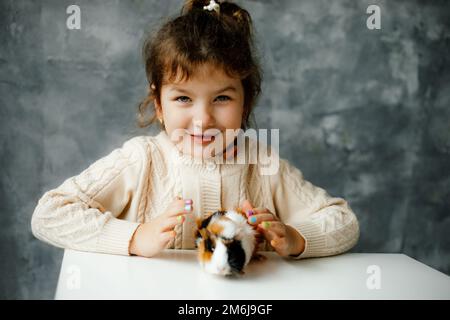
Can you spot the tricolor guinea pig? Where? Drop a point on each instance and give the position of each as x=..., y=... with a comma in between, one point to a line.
x=225, y=242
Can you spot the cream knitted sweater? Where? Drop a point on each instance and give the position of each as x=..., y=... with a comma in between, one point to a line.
x=99, y=209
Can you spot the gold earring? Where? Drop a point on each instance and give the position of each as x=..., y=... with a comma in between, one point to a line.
x=161, y=120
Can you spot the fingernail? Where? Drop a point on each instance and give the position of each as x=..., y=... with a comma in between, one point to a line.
x=188, y=201
x=180, y=219
x=266, y=224
x=250, y=213
x=187, y=207
x=253, y=219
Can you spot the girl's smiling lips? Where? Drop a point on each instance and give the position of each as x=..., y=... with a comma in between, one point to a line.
x=202, y=138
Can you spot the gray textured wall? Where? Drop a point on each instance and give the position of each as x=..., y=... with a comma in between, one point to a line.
x=363, y=113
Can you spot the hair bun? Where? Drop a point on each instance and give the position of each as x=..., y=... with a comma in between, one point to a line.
x=239, y=15
x=228, y=10
x=190, y=5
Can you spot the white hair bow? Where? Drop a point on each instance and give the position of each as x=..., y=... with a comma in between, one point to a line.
x=212, y=6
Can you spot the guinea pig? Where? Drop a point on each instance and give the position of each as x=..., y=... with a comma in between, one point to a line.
x=225, y=242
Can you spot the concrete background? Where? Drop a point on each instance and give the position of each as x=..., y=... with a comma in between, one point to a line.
x=363, y=113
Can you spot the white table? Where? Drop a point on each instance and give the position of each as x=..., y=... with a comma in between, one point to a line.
x=175, y=274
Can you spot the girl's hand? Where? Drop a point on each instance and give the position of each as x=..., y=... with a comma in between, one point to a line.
x=285, y=240
x=154, y=236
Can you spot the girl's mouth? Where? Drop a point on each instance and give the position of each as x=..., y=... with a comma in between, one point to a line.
x=202, y=139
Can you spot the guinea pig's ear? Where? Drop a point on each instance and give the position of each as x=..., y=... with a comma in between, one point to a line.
x=202, y=233
x=203, y=222
x=198, y=222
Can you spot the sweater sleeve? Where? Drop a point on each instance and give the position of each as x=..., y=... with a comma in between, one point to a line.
x=82, y=213
x=327, y=223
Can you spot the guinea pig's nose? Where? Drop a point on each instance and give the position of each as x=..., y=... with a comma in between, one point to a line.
x=222, y=270
x=226, y=271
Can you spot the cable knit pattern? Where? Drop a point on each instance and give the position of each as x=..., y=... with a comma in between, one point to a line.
x=327, y=223
x=149, y=149
x=99, y=209
x=71, y=217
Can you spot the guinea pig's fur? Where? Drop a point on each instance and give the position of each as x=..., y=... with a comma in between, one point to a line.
x=225, y=242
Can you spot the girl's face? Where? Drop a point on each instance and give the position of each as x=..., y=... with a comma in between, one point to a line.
x=198, y=112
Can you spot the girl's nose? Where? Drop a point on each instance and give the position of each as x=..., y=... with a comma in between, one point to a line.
x=204, y=117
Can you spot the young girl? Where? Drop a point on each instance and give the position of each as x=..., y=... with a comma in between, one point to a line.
x=144, y=196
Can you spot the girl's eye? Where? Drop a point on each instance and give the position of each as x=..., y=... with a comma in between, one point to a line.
x=182, y=99
x=223, y=98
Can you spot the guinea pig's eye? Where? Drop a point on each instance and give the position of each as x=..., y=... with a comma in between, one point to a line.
x=226, y=241
x=209, y=245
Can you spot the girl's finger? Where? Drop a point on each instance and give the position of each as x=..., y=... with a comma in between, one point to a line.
x=256, y=211
x=279, y=244
x=180, y=206
x=275, y=226
x=170, y=223
x=246, y=206
x=266, y=234
x=168, y=235
x=258, y=218
x=280, y=248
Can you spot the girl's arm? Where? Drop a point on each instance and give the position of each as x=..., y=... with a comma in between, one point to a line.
x=327, y=223
x=82, y=213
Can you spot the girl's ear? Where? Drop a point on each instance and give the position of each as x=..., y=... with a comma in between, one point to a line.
x=158, y=108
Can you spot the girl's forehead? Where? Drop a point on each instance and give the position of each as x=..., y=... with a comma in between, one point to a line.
x=204, y=72
x=205, y=85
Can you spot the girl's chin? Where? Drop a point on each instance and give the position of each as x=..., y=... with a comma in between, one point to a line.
x=201, y=150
